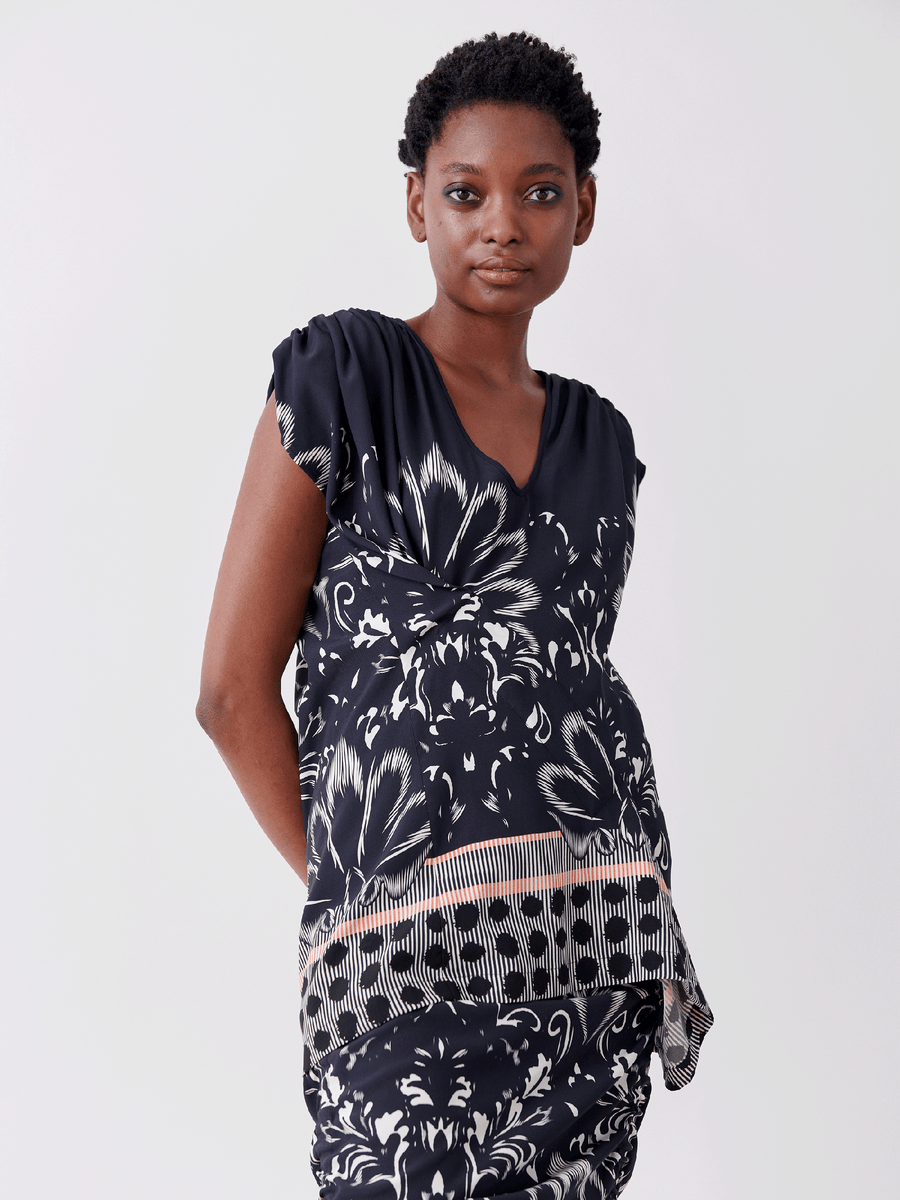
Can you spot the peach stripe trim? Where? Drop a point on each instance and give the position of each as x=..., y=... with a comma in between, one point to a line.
x=482, y=891
x=518, y=840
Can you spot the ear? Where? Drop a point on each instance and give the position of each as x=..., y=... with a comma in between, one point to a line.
x=587, y=206
x=415, y=204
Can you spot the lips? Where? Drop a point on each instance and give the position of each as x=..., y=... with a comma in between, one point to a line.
x=501, y=270
x=501, y=264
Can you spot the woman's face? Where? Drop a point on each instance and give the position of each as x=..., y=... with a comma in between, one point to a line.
x=500, y=207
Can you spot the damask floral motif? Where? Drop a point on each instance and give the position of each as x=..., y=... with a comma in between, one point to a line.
x=367, y=815
x=536, y=1100
x=570, y=788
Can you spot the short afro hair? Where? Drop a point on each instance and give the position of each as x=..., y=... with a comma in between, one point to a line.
x=516, y=69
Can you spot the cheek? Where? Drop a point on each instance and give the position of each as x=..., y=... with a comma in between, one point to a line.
x=447, y=242
x=442, y=257
x=565, y=243
x=557, y=264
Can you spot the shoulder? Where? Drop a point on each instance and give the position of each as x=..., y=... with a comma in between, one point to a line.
x=345, y=325
x=582, y=405
x=575, y=394
x=321, y=349
x=349, y=346
x=332, y=377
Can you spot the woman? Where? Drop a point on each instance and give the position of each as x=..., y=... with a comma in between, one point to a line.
x=489, y=952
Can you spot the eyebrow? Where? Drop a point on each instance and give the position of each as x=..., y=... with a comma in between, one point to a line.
x=543, y=168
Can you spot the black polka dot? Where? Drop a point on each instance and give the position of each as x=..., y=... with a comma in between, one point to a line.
x=541, y=981
x=537, y=942
x=466, y=917
x=370, y=975
x=401, y=961
x=514, y=984
x=478, y=986
x=614, y=893
x=335, y=953
x=437, y=957
x=378, y=1009
x=436, y=921
x=347, y=1025
x=498, y=910
x=581, y=932
x=649, y=924
x=650, y=960
x=531, y=906
x=586, y=969
x=619, y=965
x=471, y=952
x=447, y=989
x=647, y=890
x=507, y=945
x=372, y=942
x=561, y=938
x=580, y=895
x=558, y=903
x=401, y=930
x=412, y=995
x=337, y=989
x=563, y=974
x=322, y=1040
x=679, y=963
x=616, y=930
x=313, y=1004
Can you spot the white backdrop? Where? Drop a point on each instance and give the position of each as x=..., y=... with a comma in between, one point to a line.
x=185, y=181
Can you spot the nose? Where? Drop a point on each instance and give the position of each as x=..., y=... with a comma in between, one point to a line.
x=501, y=222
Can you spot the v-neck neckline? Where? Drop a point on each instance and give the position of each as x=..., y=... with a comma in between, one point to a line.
x=448, y=400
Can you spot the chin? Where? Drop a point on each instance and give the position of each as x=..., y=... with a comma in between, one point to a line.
x=505, y=302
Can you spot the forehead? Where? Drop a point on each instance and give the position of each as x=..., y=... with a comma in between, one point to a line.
x=481, y=134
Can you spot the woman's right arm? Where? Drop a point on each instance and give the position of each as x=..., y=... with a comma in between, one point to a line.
x=269, y=565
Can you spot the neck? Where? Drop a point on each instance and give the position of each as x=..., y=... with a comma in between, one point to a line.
x=493, y=346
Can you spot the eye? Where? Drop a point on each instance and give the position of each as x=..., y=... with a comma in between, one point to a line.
x=460, y=194
x=544, y=193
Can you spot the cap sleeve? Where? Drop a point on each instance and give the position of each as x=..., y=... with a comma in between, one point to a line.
x=308, y=404
x=633, y=469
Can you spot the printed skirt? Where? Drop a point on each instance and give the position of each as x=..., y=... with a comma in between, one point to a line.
x=464, y=1099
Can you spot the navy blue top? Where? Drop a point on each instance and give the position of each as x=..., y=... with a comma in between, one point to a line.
x=478, y=791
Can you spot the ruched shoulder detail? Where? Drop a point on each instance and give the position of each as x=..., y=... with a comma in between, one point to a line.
x=307, y=397
x=632, y=466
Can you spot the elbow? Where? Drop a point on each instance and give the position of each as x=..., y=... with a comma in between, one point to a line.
x=236, y=698
x=214, y=707
x=204, y=712
x=228, y=707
